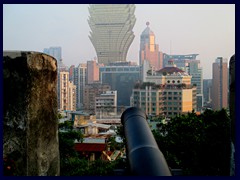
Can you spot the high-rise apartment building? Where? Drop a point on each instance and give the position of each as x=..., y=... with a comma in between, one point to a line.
x=92, y=72
x=56, y=52
x=91, y=91
x=80, y=79
x=220, y=84
x=207, y=86
x=149, y=50
x=111, y=30
x=66, y=92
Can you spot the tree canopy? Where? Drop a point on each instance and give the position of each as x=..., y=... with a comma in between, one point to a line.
x=197, y=144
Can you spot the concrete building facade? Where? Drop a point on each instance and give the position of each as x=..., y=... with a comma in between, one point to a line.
x=165, y=100
x=106, y=103
x=167, y=92
x=66, y=92
x=191, y=65
x=207, y=86
x=220, y=84
x=92, y=72
x=91, y=91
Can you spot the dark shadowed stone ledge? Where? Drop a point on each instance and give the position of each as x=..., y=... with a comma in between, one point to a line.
x=30, y=113
x=232, y=89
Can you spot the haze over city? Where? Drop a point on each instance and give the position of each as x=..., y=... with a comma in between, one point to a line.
x=207, y=30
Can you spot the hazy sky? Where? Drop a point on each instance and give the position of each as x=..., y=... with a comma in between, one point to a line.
x=207, y=30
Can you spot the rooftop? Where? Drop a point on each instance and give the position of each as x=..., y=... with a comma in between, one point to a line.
x=91, y=147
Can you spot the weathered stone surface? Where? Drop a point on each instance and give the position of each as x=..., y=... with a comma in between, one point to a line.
x=30, y=113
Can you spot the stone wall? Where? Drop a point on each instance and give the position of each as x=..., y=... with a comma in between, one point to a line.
x=30, y=126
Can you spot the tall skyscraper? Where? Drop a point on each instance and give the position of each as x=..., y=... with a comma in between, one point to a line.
x=55, y=52
x=149, y=50
x=80, y=78
x=220, y=84
x=111, y=30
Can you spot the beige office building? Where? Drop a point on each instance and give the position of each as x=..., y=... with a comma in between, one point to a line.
x=165, y=92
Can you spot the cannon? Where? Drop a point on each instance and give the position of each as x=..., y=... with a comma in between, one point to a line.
x=143, y=153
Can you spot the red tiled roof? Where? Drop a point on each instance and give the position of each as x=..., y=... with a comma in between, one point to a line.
x=92, y=147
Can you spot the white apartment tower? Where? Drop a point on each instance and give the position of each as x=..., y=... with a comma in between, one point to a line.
x=66, y=92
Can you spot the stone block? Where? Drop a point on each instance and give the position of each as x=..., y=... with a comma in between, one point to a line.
x=30, y=125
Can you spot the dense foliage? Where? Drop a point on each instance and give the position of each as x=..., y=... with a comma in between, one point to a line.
x=197, y=144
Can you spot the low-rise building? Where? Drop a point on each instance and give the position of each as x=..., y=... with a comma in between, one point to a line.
x=106, y=103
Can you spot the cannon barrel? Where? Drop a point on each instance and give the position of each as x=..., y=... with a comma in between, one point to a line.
x=143, y=153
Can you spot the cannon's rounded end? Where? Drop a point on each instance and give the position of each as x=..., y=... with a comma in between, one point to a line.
x=132, y=111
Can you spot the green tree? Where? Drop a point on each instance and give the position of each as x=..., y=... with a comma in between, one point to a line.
x=198, y=144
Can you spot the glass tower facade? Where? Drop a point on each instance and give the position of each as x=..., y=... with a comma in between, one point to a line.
x=111, y=30
x=122, y=80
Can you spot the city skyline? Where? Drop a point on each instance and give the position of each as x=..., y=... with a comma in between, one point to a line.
x=207, y=30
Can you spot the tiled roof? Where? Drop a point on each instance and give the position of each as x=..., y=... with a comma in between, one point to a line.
x=170, y=70
x=92, y=147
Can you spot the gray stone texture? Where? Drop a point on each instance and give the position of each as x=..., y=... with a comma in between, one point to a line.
x=30, y=123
